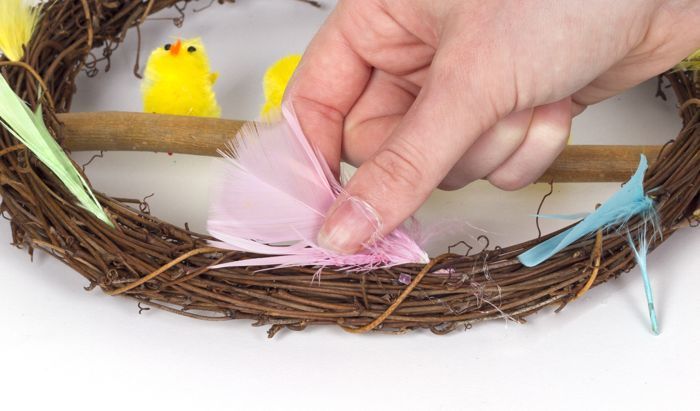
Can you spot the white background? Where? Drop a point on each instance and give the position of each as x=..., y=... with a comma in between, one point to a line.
x=61, y=346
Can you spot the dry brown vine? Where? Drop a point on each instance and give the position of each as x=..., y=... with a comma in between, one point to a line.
x=164, y=266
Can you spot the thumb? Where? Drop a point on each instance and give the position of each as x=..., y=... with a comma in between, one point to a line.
x=389, y=187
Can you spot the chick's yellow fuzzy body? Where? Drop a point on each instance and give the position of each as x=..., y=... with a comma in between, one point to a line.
x=178, y=80
x=275, y=83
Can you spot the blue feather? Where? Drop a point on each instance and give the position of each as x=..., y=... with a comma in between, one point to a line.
x=628, y=202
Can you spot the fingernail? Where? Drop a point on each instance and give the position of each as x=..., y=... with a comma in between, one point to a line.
x=350, y=225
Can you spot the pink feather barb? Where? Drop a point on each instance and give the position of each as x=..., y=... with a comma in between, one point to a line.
x=273, y=198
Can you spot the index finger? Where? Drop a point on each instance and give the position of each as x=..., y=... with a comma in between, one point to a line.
x=328, y=81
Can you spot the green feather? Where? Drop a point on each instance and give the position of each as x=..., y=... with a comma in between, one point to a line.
x=29, y=128
x=691, y=63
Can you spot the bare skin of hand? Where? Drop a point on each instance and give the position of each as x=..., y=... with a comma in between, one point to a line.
x=425, y=93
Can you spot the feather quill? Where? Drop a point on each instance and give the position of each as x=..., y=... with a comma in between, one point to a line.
x=640, y=255
x=29, y=128
x=275, y=192
x=17, y=21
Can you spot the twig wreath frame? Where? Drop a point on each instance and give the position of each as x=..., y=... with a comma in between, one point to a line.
x=164, y=266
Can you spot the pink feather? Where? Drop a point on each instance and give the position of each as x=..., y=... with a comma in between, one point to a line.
x=273, y=198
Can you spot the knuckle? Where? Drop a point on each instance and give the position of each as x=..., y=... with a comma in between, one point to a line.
x=397, y=170
x=550, y=135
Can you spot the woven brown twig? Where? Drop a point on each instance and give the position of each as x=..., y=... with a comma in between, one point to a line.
x=165, y=266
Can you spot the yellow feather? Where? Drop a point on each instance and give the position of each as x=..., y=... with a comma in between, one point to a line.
x=181, y=83
x=691, y=63
x=275, y=83
x=17, y=21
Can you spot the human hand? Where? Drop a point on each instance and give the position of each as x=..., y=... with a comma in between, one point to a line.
x=423, y=93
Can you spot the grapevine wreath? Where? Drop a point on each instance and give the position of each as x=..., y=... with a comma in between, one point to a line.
x=161, y=265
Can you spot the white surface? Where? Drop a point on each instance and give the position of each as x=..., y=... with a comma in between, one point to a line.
x=61, y=346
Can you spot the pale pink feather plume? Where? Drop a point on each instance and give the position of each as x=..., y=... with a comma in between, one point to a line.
x=273, y=198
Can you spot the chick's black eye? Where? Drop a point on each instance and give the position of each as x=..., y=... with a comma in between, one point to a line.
x=167, y=47
x=191, y=49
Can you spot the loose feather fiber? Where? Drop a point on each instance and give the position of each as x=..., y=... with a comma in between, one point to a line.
x=17, y=21
x=640, y=255
x=272, y=200
x=628, y=202
x=29, y=128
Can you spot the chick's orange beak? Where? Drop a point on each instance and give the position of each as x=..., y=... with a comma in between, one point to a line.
x=175, y=48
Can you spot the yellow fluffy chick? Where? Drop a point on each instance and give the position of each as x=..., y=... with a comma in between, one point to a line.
x=17, y=21
x=275, y=82
x=178, y=81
